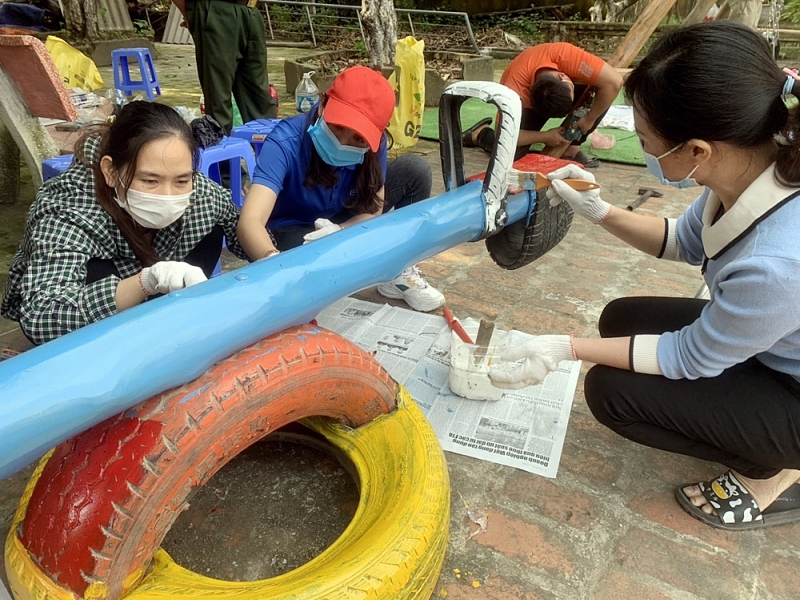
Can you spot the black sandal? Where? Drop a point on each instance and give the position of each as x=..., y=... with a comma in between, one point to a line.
x=736, y=510
x=589, y=162
x=466, y=137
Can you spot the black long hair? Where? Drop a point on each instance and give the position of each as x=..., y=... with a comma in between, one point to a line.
x=718, y=82
x=368, y=177
x=136, y=125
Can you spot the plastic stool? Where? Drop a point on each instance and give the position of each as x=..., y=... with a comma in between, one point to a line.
x=255, y=132
x=52, y=167
x=122, y=76
x=233, y=150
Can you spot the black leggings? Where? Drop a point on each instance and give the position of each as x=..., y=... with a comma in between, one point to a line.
x=204, y=255
x=747, y=418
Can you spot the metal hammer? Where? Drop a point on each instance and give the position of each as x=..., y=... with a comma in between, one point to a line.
x=644, y=194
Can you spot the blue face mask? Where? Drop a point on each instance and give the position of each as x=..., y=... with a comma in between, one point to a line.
x=331, y=150
x=654, y=166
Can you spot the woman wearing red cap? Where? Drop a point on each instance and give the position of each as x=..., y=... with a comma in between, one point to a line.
x=327, y=169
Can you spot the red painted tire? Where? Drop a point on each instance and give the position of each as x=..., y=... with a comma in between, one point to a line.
x=106, y=498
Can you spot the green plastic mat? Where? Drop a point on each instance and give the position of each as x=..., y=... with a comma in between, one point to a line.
x=626, y=150
x=472, y=111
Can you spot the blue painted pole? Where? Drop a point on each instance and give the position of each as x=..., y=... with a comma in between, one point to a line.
x=59, y=389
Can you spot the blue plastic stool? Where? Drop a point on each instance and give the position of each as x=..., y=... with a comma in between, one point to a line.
x=122, y=76
x=233, y=150
x=255, y=132
x=52, y=167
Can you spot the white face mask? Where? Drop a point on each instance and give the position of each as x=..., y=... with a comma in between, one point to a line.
x=654, y=166
x=154, y=211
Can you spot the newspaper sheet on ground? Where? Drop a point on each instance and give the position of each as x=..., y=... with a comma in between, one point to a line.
x=524, y=429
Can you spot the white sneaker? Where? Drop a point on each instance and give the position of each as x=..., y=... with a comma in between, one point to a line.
x=410, y=287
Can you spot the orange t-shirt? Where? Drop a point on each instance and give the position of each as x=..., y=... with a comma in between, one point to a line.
x=577, y=64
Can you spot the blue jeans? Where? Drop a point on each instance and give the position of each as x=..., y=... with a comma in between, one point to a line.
x=408, y=180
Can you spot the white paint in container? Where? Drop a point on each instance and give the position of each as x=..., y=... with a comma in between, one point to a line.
x=468, y=378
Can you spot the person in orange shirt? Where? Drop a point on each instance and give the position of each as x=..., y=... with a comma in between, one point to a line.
x=549, y=79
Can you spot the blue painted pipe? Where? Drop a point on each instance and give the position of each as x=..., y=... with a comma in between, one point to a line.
x=59, y=389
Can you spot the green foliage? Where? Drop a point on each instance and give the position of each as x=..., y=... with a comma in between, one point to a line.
x=791, y=11
x=143, y=28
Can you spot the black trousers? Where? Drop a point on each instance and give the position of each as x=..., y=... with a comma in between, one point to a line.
x=408, y=180
x=747, y=418
x=231, y=55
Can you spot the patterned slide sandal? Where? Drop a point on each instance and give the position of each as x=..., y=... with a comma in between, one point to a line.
x=736, y=509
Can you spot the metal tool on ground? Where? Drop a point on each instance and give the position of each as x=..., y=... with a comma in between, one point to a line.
x=644, y=194
x=529, y=180
x=455, y=326
x=482, y=340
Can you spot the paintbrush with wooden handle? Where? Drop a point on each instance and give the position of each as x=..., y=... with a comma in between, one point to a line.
x=531, y=180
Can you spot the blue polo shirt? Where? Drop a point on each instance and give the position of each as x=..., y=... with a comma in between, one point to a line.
x=282, y=165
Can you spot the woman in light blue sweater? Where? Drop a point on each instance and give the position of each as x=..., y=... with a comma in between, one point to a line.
x=718, y=379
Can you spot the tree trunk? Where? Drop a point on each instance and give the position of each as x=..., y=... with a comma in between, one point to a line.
x=699, y=12
x=380, y=23
x=622, y=5
x=81, y=18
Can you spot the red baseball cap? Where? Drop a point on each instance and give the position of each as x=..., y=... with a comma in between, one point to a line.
x=363, y=100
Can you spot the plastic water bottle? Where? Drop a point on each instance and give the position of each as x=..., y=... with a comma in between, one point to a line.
x=116, y=97
x=306, y=94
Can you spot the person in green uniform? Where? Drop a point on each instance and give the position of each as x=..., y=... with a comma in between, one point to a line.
x=231, y=52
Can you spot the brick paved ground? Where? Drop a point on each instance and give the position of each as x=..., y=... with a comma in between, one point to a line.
x=607, y=527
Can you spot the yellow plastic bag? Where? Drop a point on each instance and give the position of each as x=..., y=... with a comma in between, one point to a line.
x=410, y=90
x=76, y=69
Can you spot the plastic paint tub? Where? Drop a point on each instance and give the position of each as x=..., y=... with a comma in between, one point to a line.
x=468, y=378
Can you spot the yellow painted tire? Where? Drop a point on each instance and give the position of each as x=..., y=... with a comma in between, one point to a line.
x=393, y=548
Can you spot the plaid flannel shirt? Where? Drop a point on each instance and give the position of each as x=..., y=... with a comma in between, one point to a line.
x=66, y=227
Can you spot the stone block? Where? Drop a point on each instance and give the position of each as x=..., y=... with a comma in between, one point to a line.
x=470, y=67
x=294, y=70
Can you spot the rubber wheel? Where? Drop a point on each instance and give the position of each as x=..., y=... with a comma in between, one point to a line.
x=95, y=511
x=517, y=245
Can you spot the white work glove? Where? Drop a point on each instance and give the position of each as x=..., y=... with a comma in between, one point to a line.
x=542, y=355
x=167, y=276
x=587, y=204
x=323, y=227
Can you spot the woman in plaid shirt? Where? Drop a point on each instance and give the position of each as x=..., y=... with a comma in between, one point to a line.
x=128, y=219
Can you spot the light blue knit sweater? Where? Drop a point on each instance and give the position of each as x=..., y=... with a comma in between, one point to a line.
x=753, y=276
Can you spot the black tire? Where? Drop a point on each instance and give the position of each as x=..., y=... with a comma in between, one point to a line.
x=517, y=245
